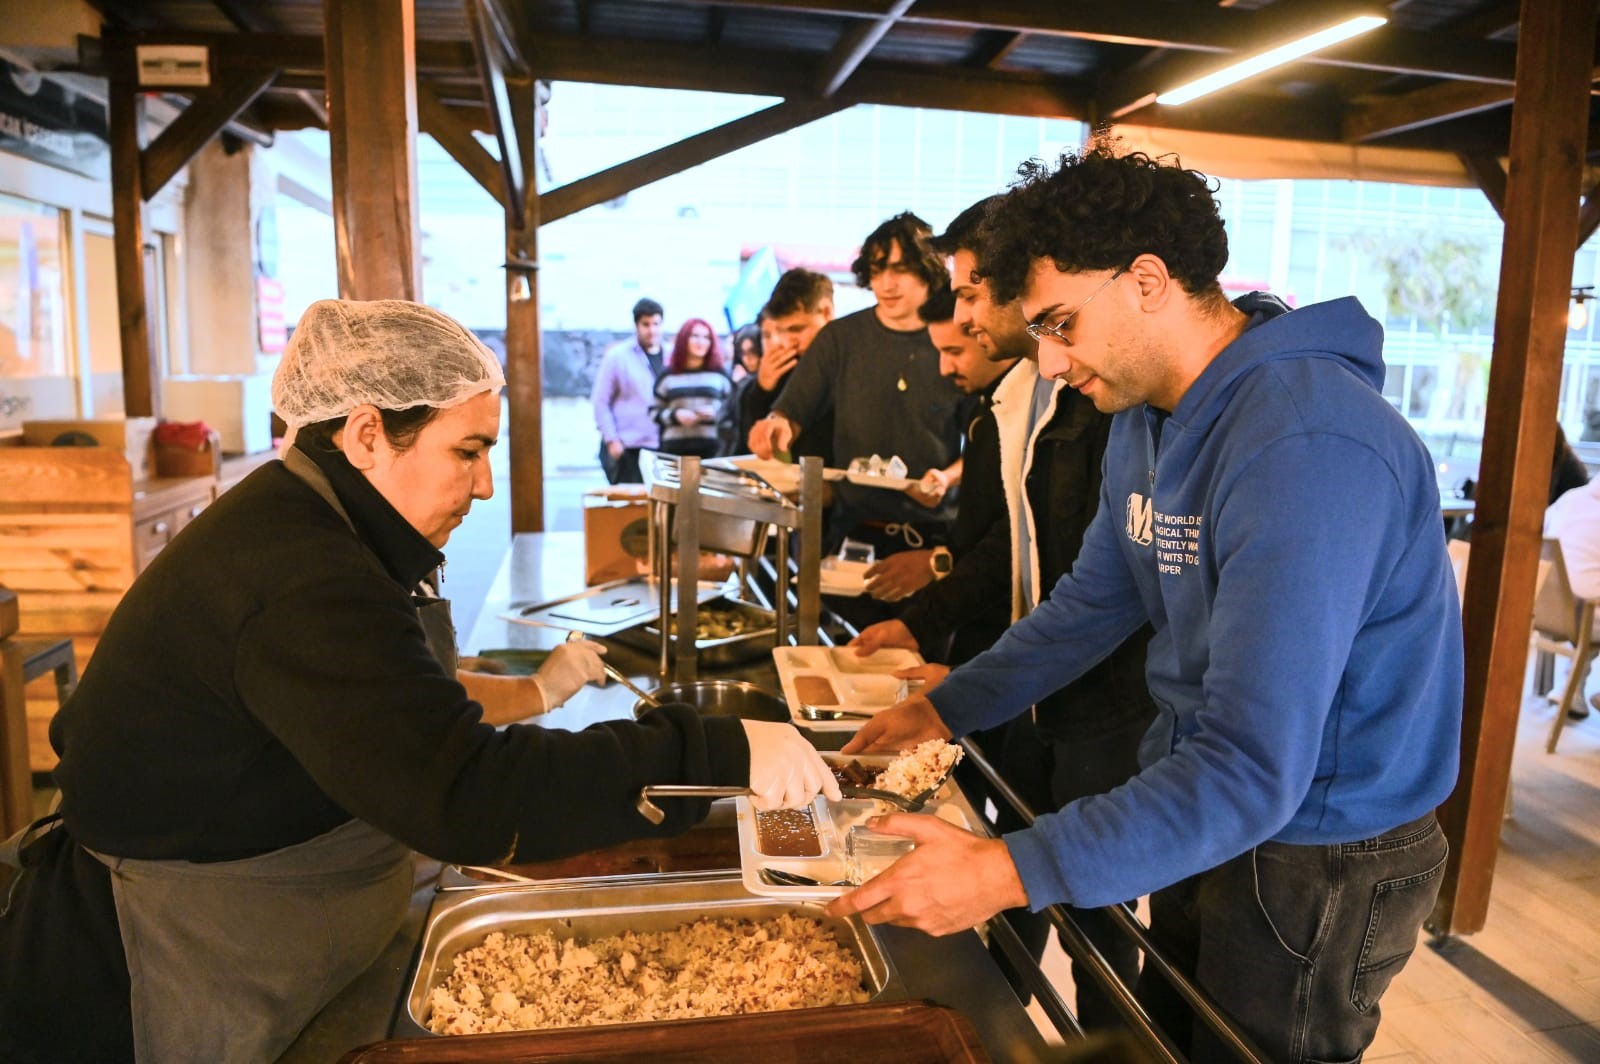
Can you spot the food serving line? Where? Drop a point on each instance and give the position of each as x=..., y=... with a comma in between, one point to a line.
x=537, y=597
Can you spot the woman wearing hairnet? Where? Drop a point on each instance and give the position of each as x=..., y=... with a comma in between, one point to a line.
x=272, y=722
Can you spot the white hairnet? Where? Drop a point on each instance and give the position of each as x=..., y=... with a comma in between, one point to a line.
x=390, y=353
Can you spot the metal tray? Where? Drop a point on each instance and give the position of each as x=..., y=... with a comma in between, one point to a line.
x=710, y=847
x=608, y=608
x=904, y=1032
x=461, y=919
x=712, y=653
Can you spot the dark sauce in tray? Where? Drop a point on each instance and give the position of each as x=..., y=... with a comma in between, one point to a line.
x=854, y=772
x=787, y=833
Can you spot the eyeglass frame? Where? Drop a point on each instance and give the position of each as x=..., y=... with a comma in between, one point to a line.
x=1040, y=331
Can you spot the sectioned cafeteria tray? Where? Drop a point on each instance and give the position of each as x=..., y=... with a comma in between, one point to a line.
x=833, y=821
x=838, y=678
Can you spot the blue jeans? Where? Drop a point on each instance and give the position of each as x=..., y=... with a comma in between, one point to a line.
x=1296, y=943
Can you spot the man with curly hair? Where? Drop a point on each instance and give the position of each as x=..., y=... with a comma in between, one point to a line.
x=877, y=373
x=1307, y=657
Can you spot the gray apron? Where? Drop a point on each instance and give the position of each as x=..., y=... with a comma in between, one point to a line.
x=265, y=942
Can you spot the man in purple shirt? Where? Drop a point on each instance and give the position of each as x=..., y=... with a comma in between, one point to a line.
x=624, y=389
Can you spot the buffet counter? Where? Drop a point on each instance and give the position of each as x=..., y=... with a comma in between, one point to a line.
x=956, y=971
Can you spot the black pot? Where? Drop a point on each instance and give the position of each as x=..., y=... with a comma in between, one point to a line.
x=722, y=698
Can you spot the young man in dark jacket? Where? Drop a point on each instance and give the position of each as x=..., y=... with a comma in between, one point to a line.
x=1084, y=738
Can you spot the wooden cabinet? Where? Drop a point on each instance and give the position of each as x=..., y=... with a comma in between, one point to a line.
x=160, y=510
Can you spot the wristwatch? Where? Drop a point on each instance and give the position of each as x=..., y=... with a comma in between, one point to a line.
x=940, y=562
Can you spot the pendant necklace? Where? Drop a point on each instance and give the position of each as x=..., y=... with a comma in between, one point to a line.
x=901, y=383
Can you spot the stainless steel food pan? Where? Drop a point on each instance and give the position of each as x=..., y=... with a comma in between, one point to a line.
x=712, y=653
x=460, y=920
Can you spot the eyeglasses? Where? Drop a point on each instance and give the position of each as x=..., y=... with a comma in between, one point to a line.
x=1057, y=332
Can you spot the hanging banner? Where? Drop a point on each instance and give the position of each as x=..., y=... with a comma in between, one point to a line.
x=49, y=121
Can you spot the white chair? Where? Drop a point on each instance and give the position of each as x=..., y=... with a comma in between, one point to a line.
x=1563, y=624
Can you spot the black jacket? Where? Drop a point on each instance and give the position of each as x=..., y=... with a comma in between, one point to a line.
x=971, y=606
x=1061, y=477
x=266, y=679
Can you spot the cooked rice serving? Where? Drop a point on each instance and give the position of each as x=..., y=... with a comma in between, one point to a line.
x=707, y=968
x=918, y=769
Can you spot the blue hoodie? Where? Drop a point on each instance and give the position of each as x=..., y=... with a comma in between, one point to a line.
x=1281, y=532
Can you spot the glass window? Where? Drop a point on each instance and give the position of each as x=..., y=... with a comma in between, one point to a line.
x=36, y=378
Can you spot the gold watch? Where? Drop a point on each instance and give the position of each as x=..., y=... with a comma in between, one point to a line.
x=940, y=562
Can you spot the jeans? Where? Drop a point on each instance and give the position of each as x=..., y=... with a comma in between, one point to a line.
x=1296, y=943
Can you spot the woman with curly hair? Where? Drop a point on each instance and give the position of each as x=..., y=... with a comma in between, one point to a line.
x=689, y=396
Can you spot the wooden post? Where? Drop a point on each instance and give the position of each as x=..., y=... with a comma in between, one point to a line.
x=524, y=373
x=1549, y=128
x=372, y=112
x=141, y=376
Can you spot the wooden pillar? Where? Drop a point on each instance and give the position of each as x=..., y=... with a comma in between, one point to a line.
x=372, y=127
x=141, y=377
x=1549, y=125
x=524, y=373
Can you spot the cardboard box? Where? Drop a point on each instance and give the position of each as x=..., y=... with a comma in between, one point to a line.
x=616, y=533
x=130, y=435
x=239, y=408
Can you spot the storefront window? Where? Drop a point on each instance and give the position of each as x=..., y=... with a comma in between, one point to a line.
x=35, y=367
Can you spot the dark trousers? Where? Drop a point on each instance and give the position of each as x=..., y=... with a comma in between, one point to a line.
x=1047, y=774
x=1296, y=943
x=623, y=470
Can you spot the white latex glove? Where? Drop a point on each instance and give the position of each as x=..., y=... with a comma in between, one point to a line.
x=567, y=669
x=786, y=771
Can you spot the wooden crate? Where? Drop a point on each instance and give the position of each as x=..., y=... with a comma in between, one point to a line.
x=66, y=549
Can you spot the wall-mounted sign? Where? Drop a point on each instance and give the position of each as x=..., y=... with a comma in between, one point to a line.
x=50, y=121
x=186, y=65
x=272, y=331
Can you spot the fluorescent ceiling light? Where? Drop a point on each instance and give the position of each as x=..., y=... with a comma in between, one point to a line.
x=1284, y=53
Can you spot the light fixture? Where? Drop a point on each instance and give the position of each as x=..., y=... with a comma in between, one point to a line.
x=1275, y=57
x=1577, y=313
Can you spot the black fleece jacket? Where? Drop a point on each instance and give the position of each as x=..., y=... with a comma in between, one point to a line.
x=266, y=679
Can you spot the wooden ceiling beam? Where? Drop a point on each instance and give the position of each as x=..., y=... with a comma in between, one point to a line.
x=498, y=85
x=250, y=20
x=499, y=20
x=192, y=130
x=1382, y=49
x=1190, y=28
x=1422, y=107
x=296, y=53
x=455, y=137
x=853, y=48
x=1588, y=217
x=1489, y=175
x=570, y=57
x=675, y=158
x=995, y=57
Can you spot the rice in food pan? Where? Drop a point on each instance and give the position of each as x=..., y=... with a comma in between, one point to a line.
x=709, y=967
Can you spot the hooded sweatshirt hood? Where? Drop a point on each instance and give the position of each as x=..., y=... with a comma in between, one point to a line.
x=1281, y=532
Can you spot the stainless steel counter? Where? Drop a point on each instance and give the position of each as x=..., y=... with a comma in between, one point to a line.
x=956, y=971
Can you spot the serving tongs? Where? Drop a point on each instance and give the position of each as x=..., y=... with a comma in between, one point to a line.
x=656, y=815
x=616, y=674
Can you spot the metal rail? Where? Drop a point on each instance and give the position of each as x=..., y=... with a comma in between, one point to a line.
x=1080, y=949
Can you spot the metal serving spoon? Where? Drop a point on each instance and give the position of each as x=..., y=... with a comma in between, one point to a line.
x=777, y=877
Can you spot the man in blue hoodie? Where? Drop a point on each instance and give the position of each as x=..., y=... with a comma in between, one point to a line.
x=1277, y=522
